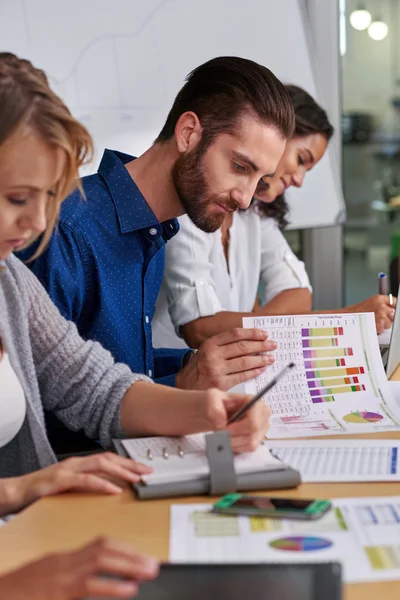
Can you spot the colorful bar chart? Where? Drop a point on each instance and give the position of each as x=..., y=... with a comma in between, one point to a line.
x=319, y=342
x=321, y=331
x=323, y=399
x=335, y=381
x=325, y=373
x=328, y=353
x=326, y=370
x=328, y=362
x=344, y=389
x=338, y=372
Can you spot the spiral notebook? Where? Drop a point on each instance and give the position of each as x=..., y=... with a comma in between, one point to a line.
x=181, y=467
x=183, y=459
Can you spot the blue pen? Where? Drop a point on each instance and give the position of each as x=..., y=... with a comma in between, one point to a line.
x=382, y=284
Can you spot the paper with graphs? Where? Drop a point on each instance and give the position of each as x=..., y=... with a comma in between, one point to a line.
x=339, y=385
x=361, y=533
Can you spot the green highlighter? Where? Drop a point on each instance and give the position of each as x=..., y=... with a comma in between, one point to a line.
x=266, y=506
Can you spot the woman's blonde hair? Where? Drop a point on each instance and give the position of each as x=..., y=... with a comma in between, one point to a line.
x=26, y=100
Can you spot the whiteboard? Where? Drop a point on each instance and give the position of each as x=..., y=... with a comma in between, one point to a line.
x=118, y=65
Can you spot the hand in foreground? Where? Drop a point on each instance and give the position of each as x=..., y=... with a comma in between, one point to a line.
x=247, y=433
x=73, y=575
x=378, y=304
x=75, y=474
x=227, y=359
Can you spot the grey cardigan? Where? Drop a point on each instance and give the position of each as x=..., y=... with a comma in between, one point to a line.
x=58, y=371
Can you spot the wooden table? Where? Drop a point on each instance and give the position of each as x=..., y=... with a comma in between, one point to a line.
x=67, y=521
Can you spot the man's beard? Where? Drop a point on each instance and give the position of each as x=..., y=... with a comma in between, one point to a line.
x=193, y=191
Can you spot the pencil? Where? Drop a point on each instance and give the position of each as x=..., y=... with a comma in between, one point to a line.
x=260, y=394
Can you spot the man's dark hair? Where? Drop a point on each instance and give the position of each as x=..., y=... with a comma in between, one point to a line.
x=309, y=118
x=222, y=89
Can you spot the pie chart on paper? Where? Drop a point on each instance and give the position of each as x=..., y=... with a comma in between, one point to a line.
x=363, y=417
x=300, y=544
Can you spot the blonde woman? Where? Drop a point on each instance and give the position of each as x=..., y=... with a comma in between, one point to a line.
x=44, y=364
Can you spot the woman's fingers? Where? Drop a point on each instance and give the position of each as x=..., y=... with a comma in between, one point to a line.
x=100, y=587
x=129, y=464
x=86, y=482
x=115, y=558
x=248, y=432
x=111, y=465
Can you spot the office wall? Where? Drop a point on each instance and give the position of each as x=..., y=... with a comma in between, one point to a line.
x=370, y=68
x=119, y=67
x=323, y=247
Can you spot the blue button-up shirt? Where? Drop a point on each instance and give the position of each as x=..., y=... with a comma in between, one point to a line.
x=104, y=265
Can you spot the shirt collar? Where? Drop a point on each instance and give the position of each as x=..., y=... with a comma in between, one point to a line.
x=132, y=209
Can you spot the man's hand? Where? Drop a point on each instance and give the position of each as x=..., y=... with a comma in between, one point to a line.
x=227, y=359
x=380, y=305
x=72, y=575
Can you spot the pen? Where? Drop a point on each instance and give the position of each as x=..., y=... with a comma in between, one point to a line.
x=382, y=284
x=260, y=394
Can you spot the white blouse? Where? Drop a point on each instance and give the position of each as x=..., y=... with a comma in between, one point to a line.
x=197, y=281
x=12, y=402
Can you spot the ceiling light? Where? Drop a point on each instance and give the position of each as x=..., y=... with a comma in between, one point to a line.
x=360, y=19
x=378, y=30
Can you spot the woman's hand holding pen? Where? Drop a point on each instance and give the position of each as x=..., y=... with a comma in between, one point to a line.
x=247, y=433
x=149, y=410
x=381, y=305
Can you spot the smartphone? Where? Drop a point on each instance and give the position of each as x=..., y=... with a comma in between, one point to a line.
x=265, y=506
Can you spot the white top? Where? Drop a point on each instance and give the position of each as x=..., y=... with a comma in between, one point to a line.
x=12, y=402
x=197, y=282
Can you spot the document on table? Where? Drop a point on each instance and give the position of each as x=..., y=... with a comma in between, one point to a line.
x=341, y=460
x=361, y=533
x=339, y=385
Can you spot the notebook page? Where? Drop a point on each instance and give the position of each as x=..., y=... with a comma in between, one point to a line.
x=170, y=467
x=139, y=448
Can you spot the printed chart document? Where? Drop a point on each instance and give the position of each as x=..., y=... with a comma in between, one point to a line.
x=339, y=385
x=361, y=533
x=341, y=460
